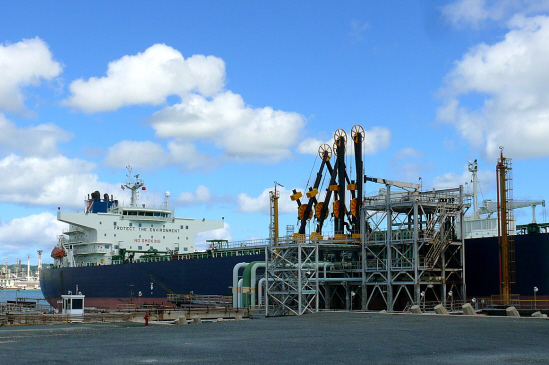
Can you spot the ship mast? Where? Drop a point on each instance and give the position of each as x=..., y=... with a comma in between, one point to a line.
x=473, y=169
x=133, y=185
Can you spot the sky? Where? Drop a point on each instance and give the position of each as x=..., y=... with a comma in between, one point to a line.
x=214, y=101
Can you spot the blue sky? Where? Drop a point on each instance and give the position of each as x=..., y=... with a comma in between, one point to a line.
x=214, y=101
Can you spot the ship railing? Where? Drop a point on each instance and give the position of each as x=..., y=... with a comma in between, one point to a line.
x=239, y=244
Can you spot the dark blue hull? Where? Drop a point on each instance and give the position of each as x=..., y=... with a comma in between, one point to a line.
x=114, y=285
x=532, y=265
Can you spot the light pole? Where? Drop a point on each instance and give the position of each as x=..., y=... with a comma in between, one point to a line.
x=535, y=291
x=451, y=300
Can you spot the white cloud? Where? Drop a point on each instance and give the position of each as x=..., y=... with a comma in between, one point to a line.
x=243, y=132
x=310, y=146
x=25, y=235
x=56, y=181
x=261, y=203
x=148, y=78
x=37, y=140
x=217, y=234
x=201, y=195
x=22, y=64
x=375, y=140
x=407, y=153
x=512, y=79
x=148, y=155
x=142, y=155
x=475, y=12
x=454, y=180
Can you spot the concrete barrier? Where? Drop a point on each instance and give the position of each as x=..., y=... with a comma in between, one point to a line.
x=383, y=312
x=512, y=312
x=415, y=309
x=538, y=314
x=439, y=309
x=220, y=319
x=468, y=310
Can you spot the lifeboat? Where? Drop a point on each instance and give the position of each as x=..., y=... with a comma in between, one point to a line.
x=58, y=253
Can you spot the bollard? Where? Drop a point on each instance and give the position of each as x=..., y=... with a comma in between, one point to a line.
x=238, y=317
x=439, y=309
x=182, y=320
x=197, y=320
x=220, y=319
x=468, y=310
x=512, y=312
x=537, y=314
x=415, y=309
x=383, y=312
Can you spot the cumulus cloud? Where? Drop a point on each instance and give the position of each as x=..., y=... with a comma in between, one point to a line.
x=36, y=140
x=375, y=140
x=243, y=132
x=261, y=203
x=148, y=78
x=22, y=64
x=200, y=196
x=56, y=181
x=512, y=79
x=149, y=155
x=142, y=155
x=23, y=236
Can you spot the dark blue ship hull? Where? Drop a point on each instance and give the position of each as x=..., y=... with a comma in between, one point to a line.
x=114, y=285
x=111, y=286
x=532, y=265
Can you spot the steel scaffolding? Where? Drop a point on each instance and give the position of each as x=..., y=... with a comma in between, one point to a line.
x=292, y=277
x=410, y=250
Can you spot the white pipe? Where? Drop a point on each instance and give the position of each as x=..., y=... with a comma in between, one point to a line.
x=252, y=281
x=262, y=281
x=240, y=295
x=236, y=268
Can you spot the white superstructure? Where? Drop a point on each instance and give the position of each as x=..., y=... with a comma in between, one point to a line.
x=105, y=232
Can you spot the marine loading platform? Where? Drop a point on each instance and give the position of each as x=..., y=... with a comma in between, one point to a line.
x=389, y=251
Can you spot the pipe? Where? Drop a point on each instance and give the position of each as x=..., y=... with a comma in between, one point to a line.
x=236, y=268
x=262, y=281
x=240, y=295
x=253, y=279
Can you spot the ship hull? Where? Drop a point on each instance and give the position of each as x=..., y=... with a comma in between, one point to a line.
x=532, y=265
x=116, y=286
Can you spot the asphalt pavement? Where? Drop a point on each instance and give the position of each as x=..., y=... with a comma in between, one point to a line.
x=323, y=338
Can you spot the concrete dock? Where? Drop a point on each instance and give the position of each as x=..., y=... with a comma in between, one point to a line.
x=323, y=338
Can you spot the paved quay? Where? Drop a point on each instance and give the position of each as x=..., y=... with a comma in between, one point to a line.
x=323, y=338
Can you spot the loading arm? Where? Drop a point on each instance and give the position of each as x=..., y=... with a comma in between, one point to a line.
x=399, y=184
